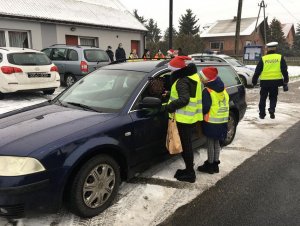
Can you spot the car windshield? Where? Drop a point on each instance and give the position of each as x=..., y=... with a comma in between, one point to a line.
x=103, y=90
x=234, y=62
x=29, y=58
x=95, y=55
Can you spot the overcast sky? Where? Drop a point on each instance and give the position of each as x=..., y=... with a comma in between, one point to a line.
x=287, y=11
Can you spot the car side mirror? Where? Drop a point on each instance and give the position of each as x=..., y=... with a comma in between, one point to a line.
x=150, y=102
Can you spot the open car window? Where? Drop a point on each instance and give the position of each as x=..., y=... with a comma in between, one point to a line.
x=155, y=87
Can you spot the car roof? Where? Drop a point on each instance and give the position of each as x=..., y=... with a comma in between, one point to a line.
x=74, y=46
x=150, y=65
x=141, y=65
x=208, y=54
x=17, y=49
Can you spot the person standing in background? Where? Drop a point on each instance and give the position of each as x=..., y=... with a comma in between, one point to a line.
x=272, y=71
x=110, y=53
x=120, y=53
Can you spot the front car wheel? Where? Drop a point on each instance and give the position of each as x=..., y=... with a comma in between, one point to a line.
x=95, y=186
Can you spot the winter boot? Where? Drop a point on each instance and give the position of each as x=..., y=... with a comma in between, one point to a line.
x=272, y=115
x=187, y=176
x=262, y=116
x=207, y=167
x=179, y=172
x=216, y=166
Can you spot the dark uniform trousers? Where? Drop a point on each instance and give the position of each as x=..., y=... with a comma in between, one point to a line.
x=185, y=133
x=272, y=92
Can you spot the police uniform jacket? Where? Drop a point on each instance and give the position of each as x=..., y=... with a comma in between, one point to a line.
x=271, y=83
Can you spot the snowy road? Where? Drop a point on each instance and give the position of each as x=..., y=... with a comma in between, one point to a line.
x=155, y=194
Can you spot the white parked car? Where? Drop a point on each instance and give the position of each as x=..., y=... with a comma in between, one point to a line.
x=26, y=69
x=245, y=74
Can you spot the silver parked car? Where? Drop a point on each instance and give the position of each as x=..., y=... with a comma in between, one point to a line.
x=74, y=62
x=245, y=74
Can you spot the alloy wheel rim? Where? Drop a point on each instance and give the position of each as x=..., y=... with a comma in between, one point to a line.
x=70, y=80
x=98, y=185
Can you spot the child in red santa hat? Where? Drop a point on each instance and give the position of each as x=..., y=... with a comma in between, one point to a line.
x=215, y=103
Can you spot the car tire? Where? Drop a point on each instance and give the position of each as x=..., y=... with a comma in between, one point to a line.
x=48, y=91
x=243, y=80
x=231, y=131
x=69, y=80
x=95, y=186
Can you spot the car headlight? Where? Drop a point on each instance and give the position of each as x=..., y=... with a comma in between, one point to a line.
x=17, y=166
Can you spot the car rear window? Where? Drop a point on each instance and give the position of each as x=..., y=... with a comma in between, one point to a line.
x=227, y=74
x=95, y=55
x=28, y=59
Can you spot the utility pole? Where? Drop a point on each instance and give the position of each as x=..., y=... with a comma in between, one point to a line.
x=264, y=6
x=237, y=29
x=171, y=25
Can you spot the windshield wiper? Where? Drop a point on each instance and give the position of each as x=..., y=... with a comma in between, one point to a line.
x=83, y=106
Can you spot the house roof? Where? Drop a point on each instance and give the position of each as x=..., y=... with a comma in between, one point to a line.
x=227, y=27
x=286, y=29
x=104, y=13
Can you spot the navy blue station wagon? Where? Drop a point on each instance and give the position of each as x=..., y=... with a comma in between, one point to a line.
x=79, y=147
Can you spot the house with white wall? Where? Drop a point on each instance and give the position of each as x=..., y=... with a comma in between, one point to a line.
x=38, y=24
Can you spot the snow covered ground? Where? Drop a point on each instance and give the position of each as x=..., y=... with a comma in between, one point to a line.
x=155, y=194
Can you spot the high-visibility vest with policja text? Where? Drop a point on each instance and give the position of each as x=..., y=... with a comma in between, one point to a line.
x=192, y=112
x=271, y=70
x=219, y=110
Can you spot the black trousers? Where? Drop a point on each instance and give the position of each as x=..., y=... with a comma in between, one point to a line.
x=272, y=92
x=185, y=133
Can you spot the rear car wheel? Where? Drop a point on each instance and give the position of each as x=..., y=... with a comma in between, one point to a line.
x=70, y=80
x=48, y=91
x=232, y=124
x=243, y=80
x=95, y=186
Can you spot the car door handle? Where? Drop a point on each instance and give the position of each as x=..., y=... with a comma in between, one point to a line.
x=127, y=134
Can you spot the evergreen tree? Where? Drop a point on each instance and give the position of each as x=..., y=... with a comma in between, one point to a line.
x=188, y=23
x=296, y=44
x=140, y=18
x=189, y=44
x=154, y=33
x=166, y=35
x=276, y=34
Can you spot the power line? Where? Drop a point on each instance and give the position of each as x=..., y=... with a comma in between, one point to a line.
x=288, y=11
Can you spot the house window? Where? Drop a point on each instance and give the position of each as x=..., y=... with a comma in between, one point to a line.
x=18, y=39
x=248, y=43
x=2, y=39
x=217, y=45
x=14, y=39
x=88, y=41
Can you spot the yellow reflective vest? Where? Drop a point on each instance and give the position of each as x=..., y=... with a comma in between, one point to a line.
x=192, y=112
x=219, y=110
x=271, y=70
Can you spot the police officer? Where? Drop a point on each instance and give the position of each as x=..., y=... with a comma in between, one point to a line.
x=186, y=103
x=272, y=71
